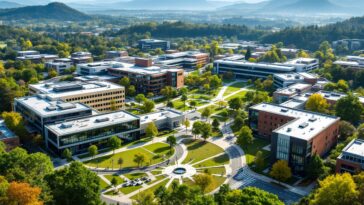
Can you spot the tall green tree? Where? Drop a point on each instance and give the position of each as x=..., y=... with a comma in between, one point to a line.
x=281, y=171
x=114, y=142
x=151, y=130
x=349, y=108
x=245, y=137
x=172, y=141
x=93, y=150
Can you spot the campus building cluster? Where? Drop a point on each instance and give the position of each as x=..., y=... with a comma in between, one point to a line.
x=186, y=60
x=351, y=62
x=152, y=44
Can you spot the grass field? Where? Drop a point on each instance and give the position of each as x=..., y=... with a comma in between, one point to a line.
x=135, y=175
x=199, y=150
x=152, y=189
x=239, y=94
x=119, y=179
x=103, y=184
x=251, y=150
x=234, y=87
x=110, y=161
x=127, y=190
x=216, y=161
x=214, y=170
x=159, y=148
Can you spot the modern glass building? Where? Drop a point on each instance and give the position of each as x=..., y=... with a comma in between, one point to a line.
x=78, y=134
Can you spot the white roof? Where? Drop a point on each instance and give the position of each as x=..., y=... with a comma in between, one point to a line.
x=305, y=125
x=156, y=116
x=91, y=122
x=289, y=76
x=152, y=70
x=256, y=65
x=349, y=63
x=356, y=147
x=292, y=103
x=47, y=108
x=301, y=61
x=50, y=89
x=293, y=89
x=152, y=40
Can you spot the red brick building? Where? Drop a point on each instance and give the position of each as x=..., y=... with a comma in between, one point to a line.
x=295, y=135
x=352, y=158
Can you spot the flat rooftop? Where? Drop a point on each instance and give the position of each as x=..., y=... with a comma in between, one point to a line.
x=302, y=61
x=288, y=76
x=293, y=103
x=57, y=90
x=349, y=63
x=305, y=125
x=91, y=122
x=356, y=147
x=5, y=133
x=293, y=89
x=277, y=67
x=47, y=108
x=152, y=41
x=152, y=70
x=156, y=116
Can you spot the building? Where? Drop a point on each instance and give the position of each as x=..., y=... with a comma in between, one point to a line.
x=26, y=53
x=60, y=67
x=164, y=120
x=295, y=135
x=152, y=44
x=39, y=110
x=100, y=95
x=283, y=80
x=147, y=77
x=349, y=44
x=248, y=70
x=116, y=54
x=81, y=57
x=351, y=62
x=303, y=64
x=352, y=158
x=187, y=60
x=282, y=95
x=78, y=134
x=7, y=136
x=39, y=58
x=96, y=68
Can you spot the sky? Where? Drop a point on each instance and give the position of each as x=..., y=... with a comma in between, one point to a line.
x=248, y=1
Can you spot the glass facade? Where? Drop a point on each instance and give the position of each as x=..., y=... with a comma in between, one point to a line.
x=283, y=145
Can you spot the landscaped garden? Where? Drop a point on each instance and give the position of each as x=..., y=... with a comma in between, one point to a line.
x=151, y=154
x=234, y=87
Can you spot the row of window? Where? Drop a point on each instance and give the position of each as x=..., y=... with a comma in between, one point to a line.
x=121, y=92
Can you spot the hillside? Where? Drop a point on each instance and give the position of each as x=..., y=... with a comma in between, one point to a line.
x=310, y=6
x=310, y=37
x=8, y=5
x=166, y=5
x=54, y=11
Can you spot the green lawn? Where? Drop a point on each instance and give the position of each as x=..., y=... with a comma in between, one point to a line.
x=129, y=189
x=152, y=189
x=160, y=149
x=135, y=175
x=216, y=161
x=119, y=179
x=103, y=184
x=251, y=150
x=165, y=133
x=239, y=94
x=218, y=181
x=214, y=109
x=199, y=150
x=234, y=87
x=127, y=156
x=214, y=170
x=82, y=156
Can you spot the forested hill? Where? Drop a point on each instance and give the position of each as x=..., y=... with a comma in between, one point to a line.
x=53, y=11
x=310, y=37
x=181, y=29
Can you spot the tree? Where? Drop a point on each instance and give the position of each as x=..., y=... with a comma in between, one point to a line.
x=120, y=162
x=251, y=195
x=203, y=181
x=130, y=91
x=235, y=103
x=339, y=189
x=14, y=121
x=145, y=198
x=238, y=123
x=139, y=158
x=248, y=54
x=206, y=113
x=349, y=108
x=359, y=180
x=215, y=124
x=193, y=104
x=140, y=98
x=2, y=147
x=151, y=130
x=4, y=185
x=114, y=142
x=316, y=167
x=74, y=184
x=361, y=131
x=114, y=181
x=167, y=92
x=93, y=151
x=23, y=194
x=184, y=99
x=125, y=81
x=245, y=137
x=259, y=161
x=196, y=128
x=148, y=106
x=186, y=123
x=281, y=171
x=67, y=154
x=317, y=103
x=205, y=130
x=346, y=129
x=150, y=95
x=172, y=141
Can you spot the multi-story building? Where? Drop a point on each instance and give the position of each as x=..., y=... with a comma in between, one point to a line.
x=39, y=110
x=285, y=94
x=100, y=95
x=188, y=59
x=351, y=62
x=164, y=120
x=284, y=80
x=148, y=78
x=295, y=135
x=352, y=158
x=26, y=53
x=81, y=57
x=151, y=44
x=8, y=137
x=96, y=68
x=39, y=58
x=350, y=44
x=60, y=67
x=116, y=54
x=78, y=134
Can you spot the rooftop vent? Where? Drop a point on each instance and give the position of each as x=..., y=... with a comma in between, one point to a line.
x=289, y=129
x=303, y=125
x=66, y=125
x=284, y=110
x=105, y=119
x=51, y=108
x=66, y=106
x=312, y=119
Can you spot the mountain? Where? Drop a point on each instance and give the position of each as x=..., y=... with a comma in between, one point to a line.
x=166, y=5
x=311, y=6
x=54, y=11
x=244, y=6
x=8, y=5
x=31, y=2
